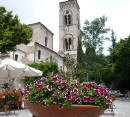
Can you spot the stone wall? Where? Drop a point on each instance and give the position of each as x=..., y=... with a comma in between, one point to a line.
x=47, y=53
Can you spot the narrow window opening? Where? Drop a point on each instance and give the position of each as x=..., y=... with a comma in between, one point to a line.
x=70, y=45
x=16, y=57
x=39, y=54
x=66, y=44
x=46, y=41
x=69, y=19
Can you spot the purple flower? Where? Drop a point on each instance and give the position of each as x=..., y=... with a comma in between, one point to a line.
x=77, y=83
x=40, y=87
x=63, y=84
x=75, y=90
x=68, y=97
x=54, y=79
x=96, y=92
x=49, y=87
x=53, y=74
x=37, y=99
x=59, y=87
x=94, y=99
x=74, y=99
x=60, y=106
x=55, y=93
x=85, y=90
x=90, y=86
x=63, y=95
x=78, y=100
x=93, y=83
x=85, y=84
x=27, y=87
x=43, y=103
x=86, y=99
x=75, y=95
x=44, y=79
x=63, y=75
x=109, y=101
x=51, y=99
x=69, y=90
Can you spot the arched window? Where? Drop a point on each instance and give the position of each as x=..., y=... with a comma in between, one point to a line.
x=67, y=18
x=39, y=54
x=68, y=44
x=46, y=41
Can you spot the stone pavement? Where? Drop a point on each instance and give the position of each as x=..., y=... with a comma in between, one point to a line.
x=122, y=109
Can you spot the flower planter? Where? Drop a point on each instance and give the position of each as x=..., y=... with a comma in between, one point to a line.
x=68, y=111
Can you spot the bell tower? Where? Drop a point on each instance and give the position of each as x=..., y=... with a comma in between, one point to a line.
x=69, y=27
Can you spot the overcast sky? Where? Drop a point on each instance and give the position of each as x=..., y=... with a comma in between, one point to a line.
x=47, y=12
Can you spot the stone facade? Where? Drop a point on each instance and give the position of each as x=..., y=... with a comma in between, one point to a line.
x=69, y=27
x=38, y=49
x=41, y=45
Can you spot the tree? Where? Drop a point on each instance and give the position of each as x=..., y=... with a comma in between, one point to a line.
x=113, y=41
x=12, y=32
x=121, y=57
x=79, y=51
x=93, y=33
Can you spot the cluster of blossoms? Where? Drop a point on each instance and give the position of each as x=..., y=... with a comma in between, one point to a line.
x=8, y=95
x=61, y=91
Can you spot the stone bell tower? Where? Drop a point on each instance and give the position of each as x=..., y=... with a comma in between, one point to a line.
x=69, y=27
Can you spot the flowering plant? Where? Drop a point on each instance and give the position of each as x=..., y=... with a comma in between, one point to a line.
x=62, y=90
x=8, y=95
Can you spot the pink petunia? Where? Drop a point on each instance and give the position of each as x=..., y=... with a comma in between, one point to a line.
x=54, y=79
x=60, y=106
x=85, y=90
x=51, y=99
x=74, y=99
x=40, y=87
x=37, y=99
x=43, y=103
x=55, y=93
x=86, y=99
x=78, y=100
x=63, y=95
x=68, y=97
x=109, y=101
x=75, y=90
x=75, y=95
x=49, y=87
x=94, y=99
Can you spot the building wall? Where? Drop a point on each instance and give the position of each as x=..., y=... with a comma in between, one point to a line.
x=26, y=53
x=40, y=32
x=47, y=53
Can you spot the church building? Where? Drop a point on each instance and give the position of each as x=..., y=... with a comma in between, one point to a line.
x=41, y=45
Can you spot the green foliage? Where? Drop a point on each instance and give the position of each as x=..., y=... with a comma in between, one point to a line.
x=113, y=41
x=46, y=67
x=70, y=64
x=75, y=69
x=12, y=32
x=93, y=33
x=121, y=58
x=80, y=51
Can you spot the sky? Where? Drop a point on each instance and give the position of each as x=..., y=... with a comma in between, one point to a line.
x=47, y=12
